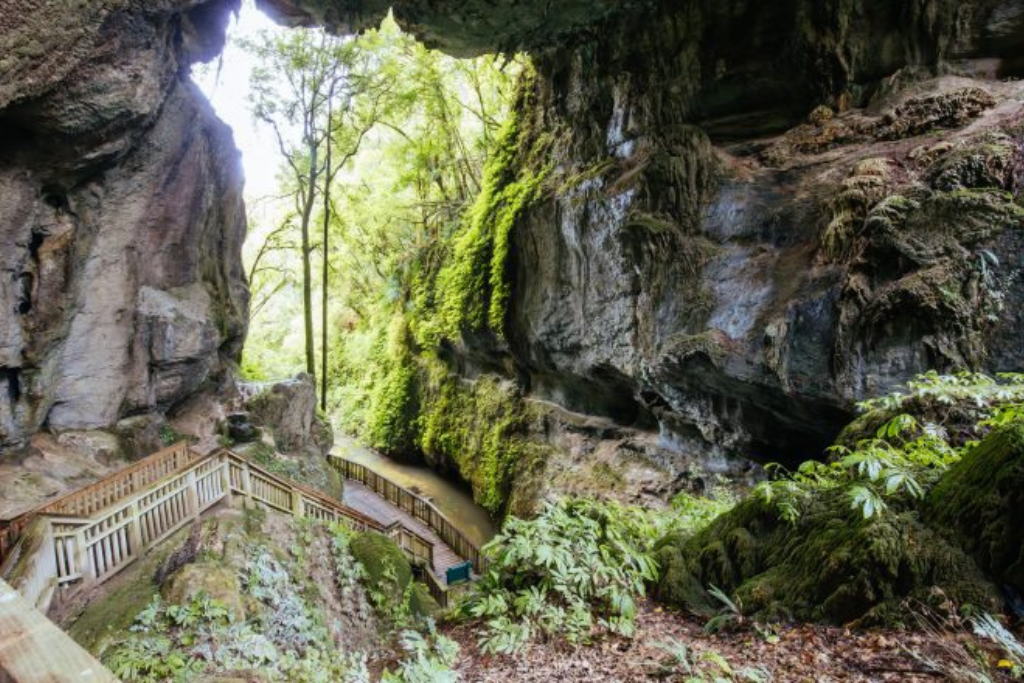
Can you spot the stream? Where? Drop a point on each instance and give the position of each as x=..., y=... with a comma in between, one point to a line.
x=453, y=500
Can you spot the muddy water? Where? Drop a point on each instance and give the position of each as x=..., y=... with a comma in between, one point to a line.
x=452, y=499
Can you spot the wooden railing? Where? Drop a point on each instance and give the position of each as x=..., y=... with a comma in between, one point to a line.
x=60, y=550
x=33, y=649
x=86, y=501
x=417, y=506
x=90, y=535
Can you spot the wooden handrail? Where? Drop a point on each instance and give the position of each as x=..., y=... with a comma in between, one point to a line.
x=88, y=500
x=68, y=549
x=109, y=490
x=34, y=649
x=409, y=540
x=416, y=505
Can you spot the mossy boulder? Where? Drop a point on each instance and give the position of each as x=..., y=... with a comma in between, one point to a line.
x=980, y=504
x=422, y=603
x=387, y=569
x=217, y=581
x=831, y=565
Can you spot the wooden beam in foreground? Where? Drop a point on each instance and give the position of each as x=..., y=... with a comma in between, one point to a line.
x=34, y=650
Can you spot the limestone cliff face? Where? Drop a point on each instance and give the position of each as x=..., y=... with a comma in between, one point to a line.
x=760, y=213
x=754, y=214
x=121, y=215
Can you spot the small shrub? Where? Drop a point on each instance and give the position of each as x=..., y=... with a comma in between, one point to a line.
x=580, y=565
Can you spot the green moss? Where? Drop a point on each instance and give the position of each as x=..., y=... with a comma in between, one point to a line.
x=391, y=419
x=473, y=286
x=387, y=570
x=480, y=428
x=832, y=564
x=422, y=603
x=979, y=504
x=104, y=621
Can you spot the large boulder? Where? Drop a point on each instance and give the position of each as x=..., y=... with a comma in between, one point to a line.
x=965, y=539
x=121, y=215
x=213, y=580
x=980, y=505
x=289, y=410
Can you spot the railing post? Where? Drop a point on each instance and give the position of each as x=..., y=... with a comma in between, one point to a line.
x=82, y=559
x=135, y=530
x=225, y=476
x=247, y=483
x=191, y=495
x=297, y=510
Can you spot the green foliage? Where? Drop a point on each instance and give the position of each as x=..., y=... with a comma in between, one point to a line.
x=904, y=458
x=473, y=287
x=704, y=667
x=693, y=512
x=160, y=647
x=391, y=419
x=169, y=435
x=397, y=205
x=977, y=389
x=580, y=565
x=430, y=657
x=481, y=427
x=387, y=576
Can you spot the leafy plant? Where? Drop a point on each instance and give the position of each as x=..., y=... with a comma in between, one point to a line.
x=429, y=658
x=580, y=564
x=904, y=458
x=705, y=667
x=728, y=615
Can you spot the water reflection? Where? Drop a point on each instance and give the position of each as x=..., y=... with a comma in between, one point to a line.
x=454, y=501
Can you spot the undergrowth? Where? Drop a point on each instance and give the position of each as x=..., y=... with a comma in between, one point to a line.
x=576, y=570
x=905, y=457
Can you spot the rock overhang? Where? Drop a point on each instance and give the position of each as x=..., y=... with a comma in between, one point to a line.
x=465, y=28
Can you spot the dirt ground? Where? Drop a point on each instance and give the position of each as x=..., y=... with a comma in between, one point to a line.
x=812, y=653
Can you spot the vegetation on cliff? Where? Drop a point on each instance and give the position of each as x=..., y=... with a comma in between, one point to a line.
x=882, y=511
x=239, y=593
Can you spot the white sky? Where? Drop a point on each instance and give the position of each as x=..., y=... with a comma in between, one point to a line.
x=228, y=91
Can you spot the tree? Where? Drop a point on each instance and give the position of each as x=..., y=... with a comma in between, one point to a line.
x=317, y=92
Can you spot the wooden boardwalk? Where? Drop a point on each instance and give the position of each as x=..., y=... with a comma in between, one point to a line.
x=364, y=500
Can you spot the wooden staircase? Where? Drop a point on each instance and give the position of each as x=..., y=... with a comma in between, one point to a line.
x=91, y=534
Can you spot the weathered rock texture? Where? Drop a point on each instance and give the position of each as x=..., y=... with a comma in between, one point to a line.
x=289, y=410
x=688, y=269
x=752, y=214
x=743, y=289
x=831, y=563
x=121, y=215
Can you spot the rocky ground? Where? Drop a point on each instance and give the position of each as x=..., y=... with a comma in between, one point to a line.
x=800, y=653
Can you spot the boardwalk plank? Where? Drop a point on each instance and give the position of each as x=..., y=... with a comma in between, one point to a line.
x=34, y=650
x=369, y=503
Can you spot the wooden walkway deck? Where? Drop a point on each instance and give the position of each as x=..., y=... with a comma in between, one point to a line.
x=364, y=500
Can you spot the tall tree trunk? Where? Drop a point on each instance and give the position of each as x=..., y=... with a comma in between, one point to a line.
x=323, y=280
x=307, y=271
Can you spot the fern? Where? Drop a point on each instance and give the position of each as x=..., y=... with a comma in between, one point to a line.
x=579, y=565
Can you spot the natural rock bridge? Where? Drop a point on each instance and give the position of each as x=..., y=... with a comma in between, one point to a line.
x=89, y=535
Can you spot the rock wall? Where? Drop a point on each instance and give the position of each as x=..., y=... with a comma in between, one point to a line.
x=121, y=217
x=746, y=215
x=723, y=223
x=757, y=215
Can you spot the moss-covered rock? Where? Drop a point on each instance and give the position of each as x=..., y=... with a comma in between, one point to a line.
x=387, y=569
x=215, y=580
x=832, y=564
x=482, y=430
x=422, y=603
x=980, y=504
